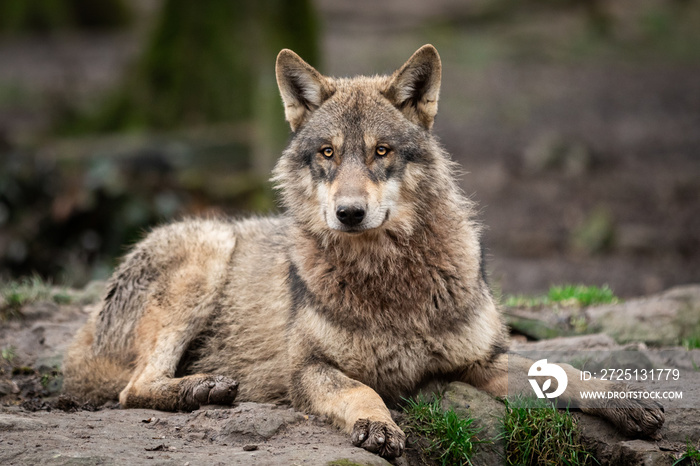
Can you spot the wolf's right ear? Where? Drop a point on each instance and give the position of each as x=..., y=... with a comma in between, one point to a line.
x=303, y=89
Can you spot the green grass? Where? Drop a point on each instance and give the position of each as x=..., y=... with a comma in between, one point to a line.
x=536, y=433
x=16, y=294
x=691, y=343
x=451, y=439
x=581, y=294
x=8, y=353
x=566, y=295
x=691, y=457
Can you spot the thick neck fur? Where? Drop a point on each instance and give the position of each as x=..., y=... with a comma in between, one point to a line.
x=398, y=281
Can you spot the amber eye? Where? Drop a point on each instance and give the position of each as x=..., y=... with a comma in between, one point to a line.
x=382, y=151
x=327, y=152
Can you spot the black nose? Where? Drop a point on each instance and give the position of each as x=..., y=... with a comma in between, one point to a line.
x=350, y=215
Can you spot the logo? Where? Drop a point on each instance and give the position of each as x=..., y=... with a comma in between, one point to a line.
x=543, y=369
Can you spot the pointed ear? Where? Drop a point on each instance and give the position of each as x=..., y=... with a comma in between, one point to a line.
x=303, y=89
x=415, y=87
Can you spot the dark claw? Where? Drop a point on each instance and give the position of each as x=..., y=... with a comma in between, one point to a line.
x=207, y=390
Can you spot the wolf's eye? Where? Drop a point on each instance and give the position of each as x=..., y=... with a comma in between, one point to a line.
x=327, y=152
x=382, y=151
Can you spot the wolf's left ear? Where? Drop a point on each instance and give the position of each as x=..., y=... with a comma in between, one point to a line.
x=415, y=87
x=303, y=89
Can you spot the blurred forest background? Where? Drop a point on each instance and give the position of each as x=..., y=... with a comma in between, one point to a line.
x=577, y=124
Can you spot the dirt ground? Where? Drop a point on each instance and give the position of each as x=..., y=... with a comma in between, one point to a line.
x=41, y=425
x=63, y=432
x=146, y=437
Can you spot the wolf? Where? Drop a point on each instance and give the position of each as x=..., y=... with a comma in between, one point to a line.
x=370, y=284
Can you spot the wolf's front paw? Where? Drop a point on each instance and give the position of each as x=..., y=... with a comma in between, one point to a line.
x=384, y=438
x=641, y=417
x=199, y=390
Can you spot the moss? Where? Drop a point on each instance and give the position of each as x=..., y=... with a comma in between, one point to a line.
x=344, y=462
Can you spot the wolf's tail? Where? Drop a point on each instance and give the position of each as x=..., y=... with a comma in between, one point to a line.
x=92, y=378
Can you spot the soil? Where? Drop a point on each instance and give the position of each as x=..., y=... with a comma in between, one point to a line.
x=150, y=437
x=41, y=425
x=64, y=432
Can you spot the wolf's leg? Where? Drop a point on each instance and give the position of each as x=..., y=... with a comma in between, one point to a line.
x=162, y=339
x=507, y=374
x=353, y=406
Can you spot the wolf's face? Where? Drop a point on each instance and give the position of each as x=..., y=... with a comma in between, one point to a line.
x=356, y=148
x=360, y=145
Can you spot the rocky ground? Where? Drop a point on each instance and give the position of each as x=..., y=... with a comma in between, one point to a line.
x=40, y=427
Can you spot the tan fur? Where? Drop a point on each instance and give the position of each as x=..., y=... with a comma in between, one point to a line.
x=107, y=376
x=337, y=318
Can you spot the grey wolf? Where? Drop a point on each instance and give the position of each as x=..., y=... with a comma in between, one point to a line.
x=368, y=286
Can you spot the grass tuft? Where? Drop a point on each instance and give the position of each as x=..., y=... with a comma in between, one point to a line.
x=537, y=433
x=8, y=353
x=16, y=294
x=582, y=295
x=451, y=439
x=567, y=295
x=691, y=457
x=691, y=343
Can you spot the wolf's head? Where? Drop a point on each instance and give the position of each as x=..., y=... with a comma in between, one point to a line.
x=362, y=158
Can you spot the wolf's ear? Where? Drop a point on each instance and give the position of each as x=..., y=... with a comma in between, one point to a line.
x=303, y=88
x=415, y=87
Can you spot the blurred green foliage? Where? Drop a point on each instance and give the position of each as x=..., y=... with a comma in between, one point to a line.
x=212, y=61
x=70, y=218
x=20, y=16
x=203, y=64
x=596, y=232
